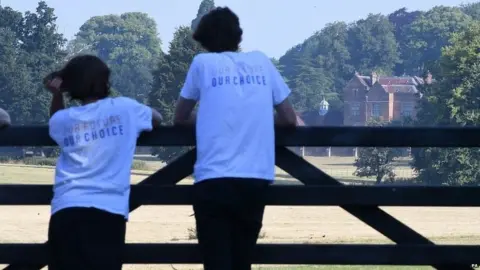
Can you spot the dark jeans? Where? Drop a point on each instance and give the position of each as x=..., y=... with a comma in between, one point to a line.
x=229, y=215
x=86, y=238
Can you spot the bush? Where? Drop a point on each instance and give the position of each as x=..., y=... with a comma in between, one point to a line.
x=192, y=233
x=40, y=161
x=44, y=161
x=140, y=165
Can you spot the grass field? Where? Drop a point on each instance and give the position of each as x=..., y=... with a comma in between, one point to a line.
x=170, y=224
x=338, y=167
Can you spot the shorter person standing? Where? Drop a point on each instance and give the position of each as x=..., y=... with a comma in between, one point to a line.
x=92, y=177
x=236, y=92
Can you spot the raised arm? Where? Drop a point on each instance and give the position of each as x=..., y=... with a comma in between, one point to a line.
x=52, y=82
x=189, y=96
x=285, y=115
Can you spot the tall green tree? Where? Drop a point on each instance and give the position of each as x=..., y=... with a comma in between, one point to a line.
x=453, y=101
x=334, y=55
x=372, y=45
x=169, y=77
x=428, y=34
x=130, y=45
x=30, y=48
x=44, y=48
x=402, y=20
x=472, y=10
x=205, y=7
x=376, y=161
x=318, y=68
x=17, y=92
x=310, y=86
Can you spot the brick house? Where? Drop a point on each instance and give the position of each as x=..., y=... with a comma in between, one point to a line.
x=385, y=97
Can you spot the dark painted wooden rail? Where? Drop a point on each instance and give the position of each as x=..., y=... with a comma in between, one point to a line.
x=319, y=189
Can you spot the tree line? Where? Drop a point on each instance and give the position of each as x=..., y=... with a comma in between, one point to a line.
x=442, y=40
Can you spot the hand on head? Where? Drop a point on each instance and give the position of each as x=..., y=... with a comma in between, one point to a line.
x=53, y=82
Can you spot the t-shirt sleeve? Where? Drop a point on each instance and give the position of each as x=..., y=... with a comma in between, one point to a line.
x=280, y=89
x=142, y=115
x=55, y=126
x=191, y=89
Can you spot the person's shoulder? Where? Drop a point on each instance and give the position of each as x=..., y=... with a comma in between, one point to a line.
x=259, y=54
x=258, y=57
x=122, y=101
x=204, y=57
x=59, y=116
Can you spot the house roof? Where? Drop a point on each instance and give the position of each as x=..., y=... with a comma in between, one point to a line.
x=393, y=84
x=405, y=89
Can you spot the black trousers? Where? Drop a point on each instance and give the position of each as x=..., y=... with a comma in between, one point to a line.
x=86, y=238
x=229, y=215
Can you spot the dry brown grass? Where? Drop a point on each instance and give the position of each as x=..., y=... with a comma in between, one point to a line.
x=170, y=224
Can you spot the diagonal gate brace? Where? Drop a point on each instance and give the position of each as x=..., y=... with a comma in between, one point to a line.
x=373, y=216
x=169, y=175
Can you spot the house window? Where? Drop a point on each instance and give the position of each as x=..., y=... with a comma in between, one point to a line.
x=355, y=109
x=375, y=109
x=355, y=92
x=407, y=109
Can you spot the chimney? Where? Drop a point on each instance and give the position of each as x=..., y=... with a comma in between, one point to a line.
x=428, y=78
x=374, y=77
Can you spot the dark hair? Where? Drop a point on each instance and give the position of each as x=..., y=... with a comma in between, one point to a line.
x=85, y=77
x=219, y=31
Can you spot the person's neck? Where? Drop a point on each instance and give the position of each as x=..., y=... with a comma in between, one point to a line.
x=89, y=100
x=223, y=51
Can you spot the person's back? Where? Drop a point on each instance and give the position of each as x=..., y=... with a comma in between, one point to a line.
x=237, y=93
x=92, y=178
x=235, y=116
x=98, y=143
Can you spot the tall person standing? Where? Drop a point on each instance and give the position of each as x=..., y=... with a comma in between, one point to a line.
x=92, y=177
x=236, y=92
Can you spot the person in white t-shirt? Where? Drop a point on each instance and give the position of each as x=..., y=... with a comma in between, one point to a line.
x=90, y=205
x=237, y=93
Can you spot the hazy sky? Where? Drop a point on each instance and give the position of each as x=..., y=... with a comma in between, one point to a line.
x=272, y=26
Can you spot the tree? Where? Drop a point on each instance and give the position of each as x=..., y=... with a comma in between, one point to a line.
x=376, y=161
x=428, y=34
x=310, y=86
x=30, y=48
x=453, y=101
x=472, y=10
x=372, y=45
x=129, y=44
x=323, y=64
x=401, y=20
x=169, y=77
x=43, y=47
x=17, y=93
x=205, y=7
x=318, y=68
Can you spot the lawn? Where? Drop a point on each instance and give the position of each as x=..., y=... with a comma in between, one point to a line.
x=339, y=167
x=282, y=224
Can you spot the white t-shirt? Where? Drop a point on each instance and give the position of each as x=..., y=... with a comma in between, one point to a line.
x=235, y=119
x=97, y=143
